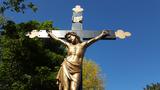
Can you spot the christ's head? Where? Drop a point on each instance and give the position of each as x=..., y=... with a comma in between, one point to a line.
x=73, y=38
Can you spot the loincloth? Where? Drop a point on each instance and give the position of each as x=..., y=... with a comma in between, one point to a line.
x=67, y=70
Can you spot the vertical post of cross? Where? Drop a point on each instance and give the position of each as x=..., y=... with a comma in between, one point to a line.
x=77, y=18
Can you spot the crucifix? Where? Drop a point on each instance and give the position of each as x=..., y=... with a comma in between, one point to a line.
x=76, y=41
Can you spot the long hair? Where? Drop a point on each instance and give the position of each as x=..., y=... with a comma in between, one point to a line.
x=73, y=34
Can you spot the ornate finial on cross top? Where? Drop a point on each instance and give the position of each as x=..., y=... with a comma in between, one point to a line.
x=77, y=18
x=77, y=9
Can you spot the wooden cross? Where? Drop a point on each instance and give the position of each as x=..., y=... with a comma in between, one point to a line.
x=77, y=20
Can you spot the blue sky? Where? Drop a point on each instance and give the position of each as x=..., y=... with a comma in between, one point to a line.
x=127, y=64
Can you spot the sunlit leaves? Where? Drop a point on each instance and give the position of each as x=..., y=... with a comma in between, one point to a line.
x=91, y=76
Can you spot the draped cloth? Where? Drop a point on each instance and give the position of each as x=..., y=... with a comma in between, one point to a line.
x=67, y=70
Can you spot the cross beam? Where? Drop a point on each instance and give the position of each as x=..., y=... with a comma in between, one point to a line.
x=77, y=20
x=85, y=34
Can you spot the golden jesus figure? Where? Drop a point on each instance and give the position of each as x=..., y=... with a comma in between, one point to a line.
x=69, y=75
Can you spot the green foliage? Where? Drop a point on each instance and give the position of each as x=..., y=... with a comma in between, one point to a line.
x=16, y=6
x=28, y=64
x=153, y=87
x=2, y=20
x=91, y=76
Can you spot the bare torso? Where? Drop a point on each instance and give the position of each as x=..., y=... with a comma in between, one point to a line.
x=76, y=52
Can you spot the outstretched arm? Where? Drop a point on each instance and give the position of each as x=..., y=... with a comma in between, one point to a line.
x=91, y=41
x=58, y=39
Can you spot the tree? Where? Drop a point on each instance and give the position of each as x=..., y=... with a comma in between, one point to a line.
x=91, y=76
x=28, y=64
x=153, y=87
x=18, y=6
